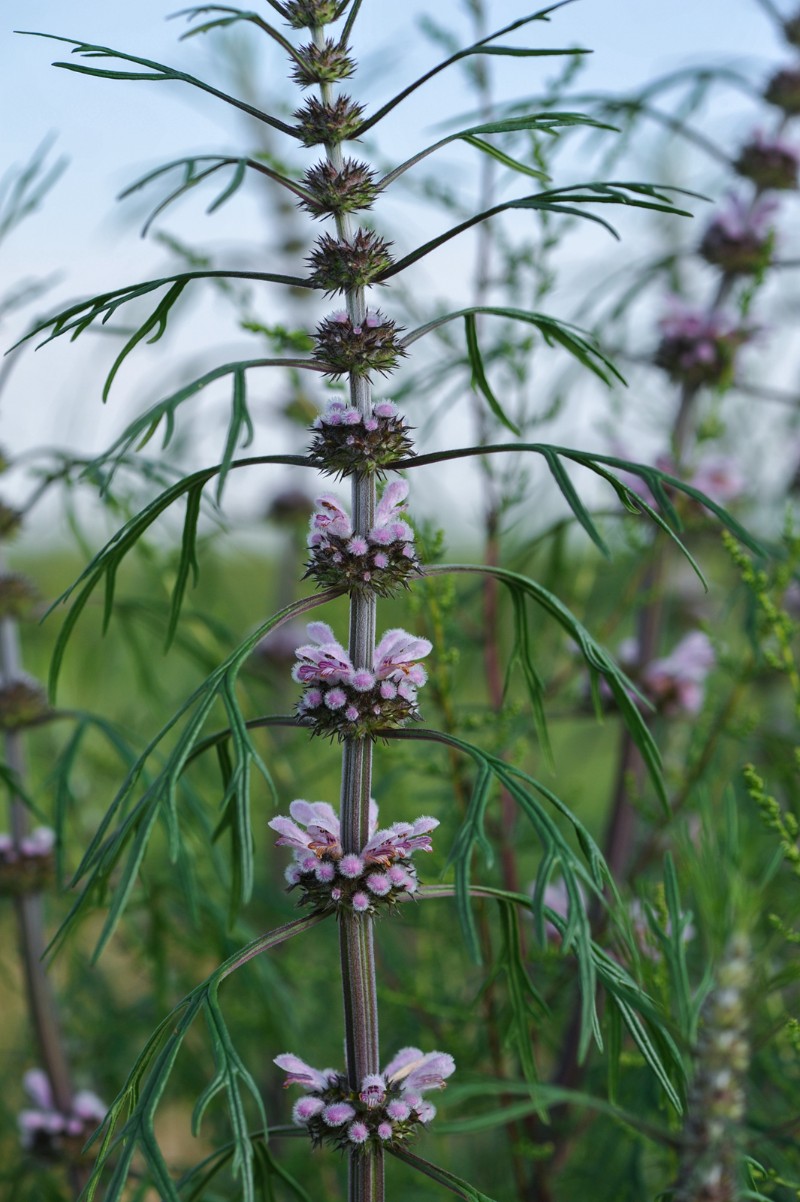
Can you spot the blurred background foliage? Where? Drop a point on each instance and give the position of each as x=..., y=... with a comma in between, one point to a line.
x=725, y=854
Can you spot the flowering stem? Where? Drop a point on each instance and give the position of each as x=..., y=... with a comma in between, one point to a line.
x=356, y=941
x=29, y=910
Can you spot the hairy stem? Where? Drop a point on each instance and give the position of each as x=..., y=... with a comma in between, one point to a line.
x=29, y=912
x=356, y=934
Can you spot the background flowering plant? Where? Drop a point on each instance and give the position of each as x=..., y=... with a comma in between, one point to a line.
x=565, y=972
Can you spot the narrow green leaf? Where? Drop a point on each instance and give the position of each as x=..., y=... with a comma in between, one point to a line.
x=597, y=658
x=522, y=995
x=188, y=560
x=574, y=340
x=567, y=488
x=108, y=558
x=471, y=832
x=240, y=420
x=548, y=122
x=542, y=15
x=157, y=72
x=449, y=1180
x=521, y=52
x=133, y=832
x=506, y=159
x=479, y=375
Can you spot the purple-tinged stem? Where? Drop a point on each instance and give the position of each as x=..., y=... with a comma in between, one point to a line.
x=356, y=938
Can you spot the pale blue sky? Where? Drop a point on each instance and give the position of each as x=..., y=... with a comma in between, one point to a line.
x=112, y=131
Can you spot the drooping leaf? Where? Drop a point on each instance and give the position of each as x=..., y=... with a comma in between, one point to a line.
x=569, y=201
x=444, y=1177
x=105, y=563
x=542, y=15
x=653, y=477
x=143, y=428
x=111, y=862
x=193, y=175
x=548, y=122
x=77, y=318
x=479, y=380
x=597, y=659
x=156, y=72
x=139, y=1098
x=574, y=340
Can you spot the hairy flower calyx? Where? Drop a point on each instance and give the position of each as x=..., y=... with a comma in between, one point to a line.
x=29, y=865
x=346, y=442
x=359, y=350
x=387, y=1109
x=379, y=562
x=699, y=348
x=344, y=190
x=770, y=162
x=10, y=520
x=339, y=265
x=327, y=63
x=783, y=90
x=18, y=595
x=308, y=14
x=328, y=124
x=51, y=1133
x=23, y=702
x=350, y=702
x=791, y=30
x=379, y=877
x=740, y=239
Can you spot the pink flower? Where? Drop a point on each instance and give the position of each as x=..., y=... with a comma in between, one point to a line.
x=302, y=1074
x=719, y=477
x=307, y=1108
x=418, y=1072
x=396, y=653
x=373, y=1090
x=379, y=884
x=323, y=660
x=388, y=1104
x=330, y=517
x=44, y=1123
x=321, y=823
x=338, y=1113
x=699, y=346
x=556, y=898
x=399, y=841
x=677, y=682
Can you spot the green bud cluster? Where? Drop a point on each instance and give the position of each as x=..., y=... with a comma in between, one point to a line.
x=358, y=350
x=322, y=64
x=768, y=167
x=717, y=1102
x=17, y=595
x=27, y=874
x=783, y=90
x=23, y=702
x=335, y=565
x=310, y=14
x=10, y=520
x=791, y=30
x=328, y=124
x=338, y=265
x=365, y=446
x=346, y=190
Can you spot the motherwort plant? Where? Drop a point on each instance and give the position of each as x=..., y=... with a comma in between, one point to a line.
x=355, y=687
